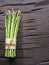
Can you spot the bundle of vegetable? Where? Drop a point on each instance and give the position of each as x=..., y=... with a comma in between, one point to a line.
x=12, y=21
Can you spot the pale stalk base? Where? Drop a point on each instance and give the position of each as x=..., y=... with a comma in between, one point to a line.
x=10, y=53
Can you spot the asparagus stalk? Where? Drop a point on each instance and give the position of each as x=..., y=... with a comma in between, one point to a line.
x=6, y=24
x=17, y=24
x=9, y=22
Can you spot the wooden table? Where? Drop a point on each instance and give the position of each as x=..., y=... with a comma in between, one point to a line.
x=33, y=39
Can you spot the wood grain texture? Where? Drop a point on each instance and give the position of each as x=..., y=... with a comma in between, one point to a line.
x=33, y=38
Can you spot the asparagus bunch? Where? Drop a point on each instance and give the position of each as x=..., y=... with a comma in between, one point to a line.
x=12, y=21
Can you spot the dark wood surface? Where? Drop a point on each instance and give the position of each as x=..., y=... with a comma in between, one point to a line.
x=33, y=39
